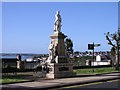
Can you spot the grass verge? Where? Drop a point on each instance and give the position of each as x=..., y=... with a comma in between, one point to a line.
x=96, y=70
x=12, y=79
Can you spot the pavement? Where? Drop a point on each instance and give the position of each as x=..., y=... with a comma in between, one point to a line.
x=56, y=83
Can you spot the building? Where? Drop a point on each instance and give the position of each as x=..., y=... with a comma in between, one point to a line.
x=102, y=60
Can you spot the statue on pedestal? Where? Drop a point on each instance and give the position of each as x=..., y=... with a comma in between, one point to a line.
x=57, y=62
x=57, y=24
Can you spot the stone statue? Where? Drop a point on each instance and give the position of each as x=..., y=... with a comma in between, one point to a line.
x=57, y=24
x=51, y=51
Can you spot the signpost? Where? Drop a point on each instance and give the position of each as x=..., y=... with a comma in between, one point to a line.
x=91, y=47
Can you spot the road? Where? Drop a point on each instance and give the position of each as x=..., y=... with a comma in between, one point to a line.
x=98, y=85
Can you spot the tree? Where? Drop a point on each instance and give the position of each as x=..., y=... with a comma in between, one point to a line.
x=112, y=52
x=76, y=52
x=69, y=46
x=114, y=40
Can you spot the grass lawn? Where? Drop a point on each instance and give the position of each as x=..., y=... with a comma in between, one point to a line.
x=96, y=70
x=11, y=78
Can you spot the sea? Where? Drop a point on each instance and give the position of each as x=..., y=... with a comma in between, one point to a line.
x=23, y=56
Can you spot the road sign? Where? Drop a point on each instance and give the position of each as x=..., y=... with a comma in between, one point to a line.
x=96, y=45
x=90, y=46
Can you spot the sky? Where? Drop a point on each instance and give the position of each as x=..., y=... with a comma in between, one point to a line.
x=26, y=27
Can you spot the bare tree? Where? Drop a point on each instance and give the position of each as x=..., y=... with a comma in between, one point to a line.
x=114, y=41
x=112, y=55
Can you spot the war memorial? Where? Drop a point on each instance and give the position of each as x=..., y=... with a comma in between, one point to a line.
x=58, y=61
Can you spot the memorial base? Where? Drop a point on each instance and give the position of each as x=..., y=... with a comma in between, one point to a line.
x=60, y=70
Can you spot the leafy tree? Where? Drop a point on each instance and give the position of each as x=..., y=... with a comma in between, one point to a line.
x=76, y=52
x=113, y=40
x=69, y=46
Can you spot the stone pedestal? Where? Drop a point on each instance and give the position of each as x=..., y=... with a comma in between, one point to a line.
x=60, y=70
x=61, y=66
x=59, y=47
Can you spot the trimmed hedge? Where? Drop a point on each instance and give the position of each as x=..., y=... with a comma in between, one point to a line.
x=13, y=69
x=84, y=67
